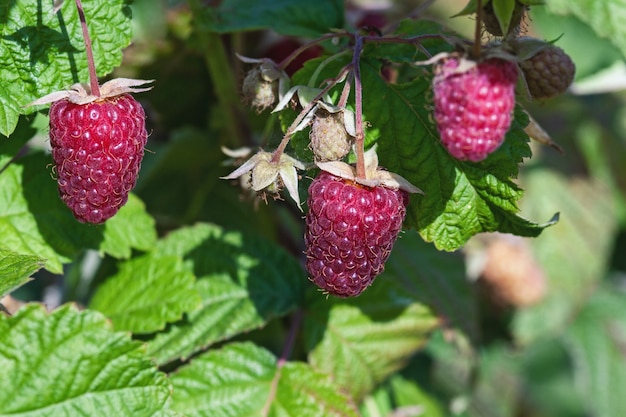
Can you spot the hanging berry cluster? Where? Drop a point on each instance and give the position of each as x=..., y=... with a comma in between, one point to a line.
x=355, y=212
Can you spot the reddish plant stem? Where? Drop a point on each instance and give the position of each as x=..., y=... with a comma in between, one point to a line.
x=359, y=142
x=345, y=93
x=291, y=337
x=290, y=131
x=285, y=62
x=93, y=76
x=413, y=40
x=284, y=357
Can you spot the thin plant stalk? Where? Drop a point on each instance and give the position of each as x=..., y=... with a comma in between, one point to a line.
x=93, y=76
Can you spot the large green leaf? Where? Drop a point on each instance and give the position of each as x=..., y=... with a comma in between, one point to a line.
x=70, y=363
x=597, y=341
x=42, y=51
x=147, y=293
x=16, y=269
x=297, y=18
x=245, y=380
x=34, y=220
x=361, y=341
x=243, y=282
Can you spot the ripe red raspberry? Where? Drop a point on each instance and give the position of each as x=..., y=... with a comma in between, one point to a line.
x=97, y=150
x=350, y=230
x=549, y=73
x=473, y=107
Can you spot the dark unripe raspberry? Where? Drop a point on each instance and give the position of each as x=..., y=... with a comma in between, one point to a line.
x=97, y=150
x=329, y=139
x=492, y=25
x=473, y=107
x=350, y=230
x=549, y=73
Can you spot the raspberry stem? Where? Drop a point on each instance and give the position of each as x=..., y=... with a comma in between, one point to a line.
x=345, y=93
x=284, y=357
x=93, y=76
x=359, y=144
x=285, y=62
x=290, y=131
x=478, y=29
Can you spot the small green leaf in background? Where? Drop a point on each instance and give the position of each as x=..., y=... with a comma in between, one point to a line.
x=242, y=379
x=68, y=361
x=297, y=18
x=34, y=220
x=243, y=282
x=401, y=397
x=550, y=385
x=42, y=51
x=597, y=342
x=147, y=293
x=362, y=341
x=498, y=388
x=16, y=269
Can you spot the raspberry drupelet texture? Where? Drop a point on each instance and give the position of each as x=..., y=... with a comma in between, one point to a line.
x=473, y=107
x=97, y=150
x=350, y=231
x=549, y=73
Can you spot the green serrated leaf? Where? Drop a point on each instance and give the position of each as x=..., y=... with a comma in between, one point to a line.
x=147, y=293
x=245, y=380
x=131, y=228
x=16, y=269
x=597, y=342
x=243, y=282
x=361, y=341
x=34, y=220
x=606, y=18
x=70, y=362
x=42, y=52
x=297, y=18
